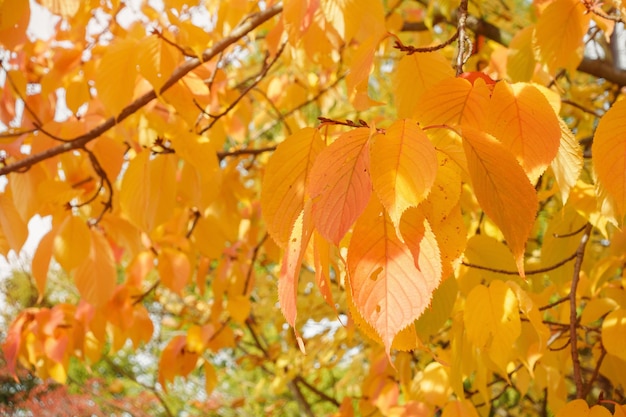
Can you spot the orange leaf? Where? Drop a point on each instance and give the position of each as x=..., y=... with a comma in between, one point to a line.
x=96, y=277
x=41, y=262
x=454, y=101
x=390, y=285
x=176, y=360
x=609, y=161
x=360, y=67
x=174, y=269
x=523, y=120
x=416, y=74
x=322, y=263
x=502, y=189
x=297, y=17
x=72, y=243
x=355, y=18
x=12, y=227
x=290, y=269
x=403, y=167
x=559, y=34
x=340, y=185
x=285, y=181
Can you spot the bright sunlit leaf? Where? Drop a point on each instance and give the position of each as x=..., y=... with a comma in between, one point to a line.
x=340, y=184
x=502, y=188
x=390, y=286
x=403, y=167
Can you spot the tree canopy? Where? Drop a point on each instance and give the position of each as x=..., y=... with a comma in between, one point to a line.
x=319, y=207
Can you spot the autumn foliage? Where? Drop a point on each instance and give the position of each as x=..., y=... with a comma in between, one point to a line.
x=431, y=193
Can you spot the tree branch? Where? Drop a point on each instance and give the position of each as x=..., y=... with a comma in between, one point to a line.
x=531, y=272
x=594, y=67
x=580, y=254
x=80, y=141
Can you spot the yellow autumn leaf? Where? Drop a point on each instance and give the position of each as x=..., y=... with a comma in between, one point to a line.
x=391, y=284
x=609, y=162
x=72, y=242
x=114, y=90
x=502, y=189
x=96, y=276
x=492, y=321
x=210, y=377
x=239, y=307
x=340, y=185
x=284, y=184
x=522, y=119
x=614, y=333
x=559, y=33
x=64, y=8
x=360, y=67
x=41, y=262
x=462, y=408
x=416, y=74
x=176, y=360
x=148, y=190
x=403, y=165
x=174, y=269
x=454, y=101
x=157, y=60
x=12, y=227
x=580, y=408
x=355, y=18
x=520, y=65
x=568, y=163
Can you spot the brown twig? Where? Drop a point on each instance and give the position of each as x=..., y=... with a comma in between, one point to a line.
x=554, y=304
x=410, y=50
x=141, y=297
x=299, y=380
x=189, y=65
x=257, y=79
x=595, y=374
x=580, y=254
x=531, y=272
x=253, y=258
x=299, y=106
x=240, y=152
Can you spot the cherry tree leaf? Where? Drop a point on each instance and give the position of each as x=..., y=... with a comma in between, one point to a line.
x=96, y=276
x=340, y=184
x=609, y=162
x=403, y=167
x=523, y=120
x=285, y=181
x=502, y=189
x=390, y=285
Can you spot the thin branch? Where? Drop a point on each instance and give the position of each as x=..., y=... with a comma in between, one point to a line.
x=531, y=272
x=462, y=55
x=580, y=107
x=255, y=254
x=181, y=49
x=299, y=106
x=410, y=50
x=580, y=253
x=554, y=304
x=188, y=66
x=299, y=379
x=133, y=378
x=570, y=234
x=257, y=79
x=239, y=152
x=305, y=407
x=6, y=135
x=145, y=294
x=595, y=374
x=593, y=6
